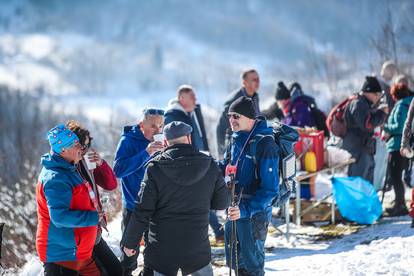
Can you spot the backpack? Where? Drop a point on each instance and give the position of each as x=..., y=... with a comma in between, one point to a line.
x=285, y=137
x=336, y=122
x=318, y=115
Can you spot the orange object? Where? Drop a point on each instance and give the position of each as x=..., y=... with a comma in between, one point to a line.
x=311, y=140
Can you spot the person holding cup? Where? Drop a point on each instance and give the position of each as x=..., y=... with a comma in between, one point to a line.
x=96, y=171
x=137, y=145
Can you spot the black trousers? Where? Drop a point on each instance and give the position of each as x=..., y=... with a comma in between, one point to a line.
x=396, y=165
x=105, y=259
x=52, y=269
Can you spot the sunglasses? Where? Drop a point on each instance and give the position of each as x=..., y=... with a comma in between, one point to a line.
x=235, y=116
x=88, y=145
x=153, y=111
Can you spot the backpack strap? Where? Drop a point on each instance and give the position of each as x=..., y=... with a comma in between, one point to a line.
x=253, y=150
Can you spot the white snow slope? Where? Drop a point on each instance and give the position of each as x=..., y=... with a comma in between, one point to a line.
x=385, y=248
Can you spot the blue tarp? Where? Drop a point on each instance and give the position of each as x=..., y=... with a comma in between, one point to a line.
x=357, y=199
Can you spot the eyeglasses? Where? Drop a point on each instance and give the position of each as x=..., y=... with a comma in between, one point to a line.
x=153, y=111
x=235, y=116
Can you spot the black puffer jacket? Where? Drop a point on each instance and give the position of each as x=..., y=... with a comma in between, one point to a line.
x=179, y=188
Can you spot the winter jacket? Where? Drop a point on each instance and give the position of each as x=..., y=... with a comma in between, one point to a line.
x=175, y=112
x=299, y=113
x=408, y=127
x=258, y=192
x=180, y=187
x=67, y=218
x=361, y=119
x=102, y=176
x=395, y=124
x=223, y=127
x=130, y=159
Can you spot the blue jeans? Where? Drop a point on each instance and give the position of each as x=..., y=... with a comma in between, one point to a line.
x=251, y=236
x=215, y=225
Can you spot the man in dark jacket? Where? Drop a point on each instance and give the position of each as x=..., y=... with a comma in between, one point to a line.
x=180, y=187
x=257, y=185
x=134, y=150
x=362, y=115
x=250, y=85
x=184, y=109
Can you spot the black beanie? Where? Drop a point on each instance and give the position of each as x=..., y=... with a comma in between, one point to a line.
x=282, y=93
x=371, y=85
x=243, y=106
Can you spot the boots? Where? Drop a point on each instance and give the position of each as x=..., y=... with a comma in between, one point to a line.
x=396, y=211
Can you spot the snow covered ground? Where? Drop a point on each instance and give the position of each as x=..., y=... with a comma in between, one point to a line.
x=381, y=249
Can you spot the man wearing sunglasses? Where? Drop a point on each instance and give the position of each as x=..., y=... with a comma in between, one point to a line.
x=250, y=85
x=135, y=148
x=257, y=184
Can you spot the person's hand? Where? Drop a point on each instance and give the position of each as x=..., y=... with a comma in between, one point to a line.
x=406, y=152
x=153, y=147
x=94, y=156
x=385, y=108
x=233, y=213
x=129, y=252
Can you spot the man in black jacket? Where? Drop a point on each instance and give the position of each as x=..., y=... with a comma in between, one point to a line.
x=185, y=109
x=180, y=187
x=362, y=115
x=250, y=85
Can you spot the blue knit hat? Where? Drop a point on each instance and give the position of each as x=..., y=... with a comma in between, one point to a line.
x=61, y=138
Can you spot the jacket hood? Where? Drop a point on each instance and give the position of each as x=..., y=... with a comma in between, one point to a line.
x=173, y=104
x=183, y=165
x=133, y=132
x=53, y=161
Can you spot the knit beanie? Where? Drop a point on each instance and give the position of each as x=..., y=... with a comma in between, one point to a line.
x=243, y=106
x=61, y=138
x=371, y=85
x=282, y=93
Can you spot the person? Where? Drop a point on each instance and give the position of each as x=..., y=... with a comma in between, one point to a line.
x=362, y=115
x=66, y=212
x=257, y=186
x=135, y=148
x=388, y=72
x=250, y=86
x=104, y=177
x=184, y=109
x=179, y=188
x=406, y=149
x=393, y=134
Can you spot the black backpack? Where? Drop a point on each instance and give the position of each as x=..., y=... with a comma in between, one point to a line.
x=285, y=137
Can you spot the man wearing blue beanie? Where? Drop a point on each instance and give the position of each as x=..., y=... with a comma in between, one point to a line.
x=66, y=209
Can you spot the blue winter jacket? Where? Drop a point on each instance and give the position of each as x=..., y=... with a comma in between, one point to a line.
x=259, y=192
x=130, y=159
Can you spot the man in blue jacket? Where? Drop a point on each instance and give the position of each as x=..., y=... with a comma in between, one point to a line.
x=257, y=184
x=134, y=150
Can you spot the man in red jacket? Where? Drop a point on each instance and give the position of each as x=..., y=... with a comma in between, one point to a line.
x=66, y=209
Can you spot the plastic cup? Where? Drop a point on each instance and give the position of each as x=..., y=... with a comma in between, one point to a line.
x=159, y=137
x=89, y=164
